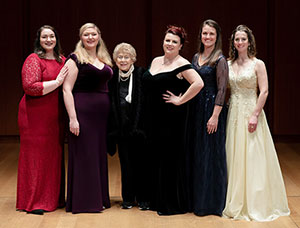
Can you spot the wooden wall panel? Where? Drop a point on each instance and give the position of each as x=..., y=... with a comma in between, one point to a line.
x=143, y=23
x=286, y=69
x=11, y=41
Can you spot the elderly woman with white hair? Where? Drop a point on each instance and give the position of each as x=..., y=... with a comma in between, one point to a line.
x=125, y=96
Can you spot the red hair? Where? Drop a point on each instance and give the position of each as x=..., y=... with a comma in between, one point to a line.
x=178, y=31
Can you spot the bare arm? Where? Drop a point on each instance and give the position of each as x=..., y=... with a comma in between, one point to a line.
x=262, y=80
x=68, y=96
x=196, y=84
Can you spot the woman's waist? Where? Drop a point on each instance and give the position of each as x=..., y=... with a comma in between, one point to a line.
x=209, y=90
x=243, y=101
x=244, y=94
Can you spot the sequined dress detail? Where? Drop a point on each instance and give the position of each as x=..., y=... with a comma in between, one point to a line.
x=256, y=188
x=206, y=152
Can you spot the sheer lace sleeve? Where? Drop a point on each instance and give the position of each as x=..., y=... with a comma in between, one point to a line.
x=32, y=76
x=222, y=80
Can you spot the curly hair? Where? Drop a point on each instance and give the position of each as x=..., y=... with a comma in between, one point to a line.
x=233, y=54
x=124, y=47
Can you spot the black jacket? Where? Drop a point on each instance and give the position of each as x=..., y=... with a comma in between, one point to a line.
x=115, y=128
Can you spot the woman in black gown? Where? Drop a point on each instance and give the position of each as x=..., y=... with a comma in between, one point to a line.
x=87, y=103
x=207, y=124
x=168, y=85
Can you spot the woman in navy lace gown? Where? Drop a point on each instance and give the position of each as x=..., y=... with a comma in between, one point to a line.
x=207, y=124
x=87, y=103
x=168, y=85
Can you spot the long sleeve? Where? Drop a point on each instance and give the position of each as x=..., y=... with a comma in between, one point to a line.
x=32, y=76
x=137, y=98
x=222, y=80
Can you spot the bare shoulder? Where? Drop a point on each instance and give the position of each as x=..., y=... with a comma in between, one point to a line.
x=182, y=61
x=259, y=64
x=70, y=62
x=157, y=60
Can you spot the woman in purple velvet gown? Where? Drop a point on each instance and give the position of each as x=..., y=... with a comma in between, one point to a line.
x=87, y=103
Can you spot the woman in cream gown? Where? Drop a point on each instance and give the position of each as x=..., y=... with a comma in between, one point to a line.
x=255, y=185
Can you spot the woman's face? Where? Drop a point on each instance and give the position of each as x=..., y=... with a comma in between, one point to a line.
x=90, y=38
x=241, y=41
x=171, y=44
x=47, y=40
x=208, y=36
x=124, y=61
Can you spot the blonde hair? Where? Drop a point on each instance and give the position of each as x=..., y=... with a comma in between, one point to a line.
x=102, y=53
x=126, y=48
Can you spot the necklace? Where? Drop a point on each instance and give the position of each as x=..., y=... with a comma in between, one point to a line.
x=125, y=76
x=203, y=58
x=124, y=79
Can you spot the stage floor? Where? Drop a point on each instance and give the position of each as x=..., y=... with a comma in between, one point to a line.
x=114, y=217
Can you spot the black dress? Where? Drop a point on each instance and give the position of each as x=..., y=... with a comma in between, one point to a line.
x=87, y=165
x=208, y=157
x=165, y=128
x=124, y=131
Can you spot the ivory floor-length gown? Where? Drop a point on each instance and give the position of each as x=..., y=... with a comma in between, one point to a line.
x=255, y=185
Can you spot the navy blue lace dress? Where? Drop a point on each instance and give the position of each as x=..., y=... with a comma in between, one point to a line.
x=208, y=173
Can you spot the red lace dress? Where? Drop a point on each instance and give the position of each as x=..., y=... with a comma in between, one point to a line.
x=41, y=138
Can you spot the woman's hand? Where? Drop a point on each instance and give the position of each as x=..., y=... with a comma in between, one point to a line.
x=212, y=125
x=171, y=98
x=62, y=75
x=252, y=124
x=74, y=127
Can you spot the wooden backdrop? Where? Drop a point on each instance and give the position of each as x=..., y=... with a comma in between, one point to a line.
x=142, y=23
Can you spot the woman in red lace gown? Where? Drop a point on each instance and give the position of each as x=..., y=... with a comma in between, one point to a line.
x=40, y=122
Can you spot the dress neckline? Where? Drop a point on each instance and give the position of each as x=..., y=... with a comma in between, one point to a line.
x=76, y=60
x=98, y=67
x=166, y=72
x=253, y=61
x=204, y=65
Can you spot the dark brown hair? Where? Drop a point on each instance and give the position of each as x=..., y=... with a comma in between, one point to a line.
x=233, y=54
x=39, y=50
x=215, y=54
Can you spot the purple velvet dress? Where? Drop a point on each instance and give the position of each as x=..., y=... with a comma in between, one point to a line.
x=87, y=165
